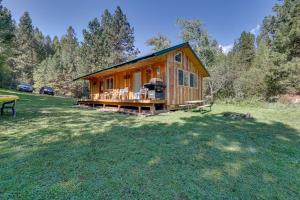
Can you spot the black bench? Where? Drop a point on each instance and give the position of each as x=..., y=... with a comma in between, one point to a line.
x=9, y=105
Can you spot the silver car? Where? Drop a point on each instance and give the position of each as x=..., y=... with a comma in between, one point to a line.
x=25, y=87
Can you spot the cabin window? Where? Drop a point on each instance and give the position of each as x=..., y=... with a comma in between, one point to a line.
x=109, y=83
x=177, y=57
x=193, y=80
x=186, y=78
x=180, y=77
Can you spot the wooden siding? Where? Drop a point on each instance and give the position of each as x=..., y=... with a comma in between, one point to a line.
x=179, y=94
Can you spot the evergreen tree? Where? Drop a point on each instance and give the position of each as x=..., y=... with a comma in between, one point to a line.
x=262, y=59
x=108, y=41
x=69, y=61
x=92, y=48
x=48, y=48
x=55, y=44
x=286, y=28
x=107, y=38
x=39, y=45
x=27, y=58
x=158, y=42
x=122, y=39
x=7, y=33
x=244, y=47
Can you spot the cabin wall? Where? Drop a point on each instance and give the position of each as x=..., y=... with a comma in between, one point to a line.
x=178, y=94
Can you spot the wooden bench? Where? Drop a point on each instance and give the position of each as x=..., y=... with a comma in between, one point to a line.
x=206, y=106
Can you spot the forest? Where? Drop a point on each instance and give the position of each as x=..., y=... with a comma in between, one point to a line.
x=263, y=67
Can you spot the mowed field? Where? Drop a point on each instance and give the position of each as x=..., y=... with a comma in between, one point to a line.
x=52, y=150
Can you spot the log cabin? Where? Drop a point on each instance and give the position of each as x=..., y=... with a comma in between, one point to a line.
x=162, y=80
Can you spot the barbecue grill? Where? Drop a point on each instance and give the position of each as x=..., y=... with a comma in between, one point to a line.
x=155, y=88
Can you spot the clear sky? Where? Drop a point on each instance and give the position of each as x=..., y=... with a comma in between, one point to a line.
x=224, y=19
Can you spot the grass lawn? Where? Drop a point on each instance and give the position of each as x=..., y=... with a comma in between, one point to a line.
x=55, y=151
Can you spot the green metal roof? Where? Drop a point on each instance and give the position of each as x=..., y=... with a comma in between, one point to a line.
x=158, y=53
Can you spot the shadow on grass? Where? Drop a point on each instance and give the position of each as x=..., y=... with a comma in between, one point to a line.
x=82, y=154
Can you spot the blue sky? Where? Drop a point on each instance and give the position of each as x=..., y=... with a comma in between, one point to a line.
x=224, y=19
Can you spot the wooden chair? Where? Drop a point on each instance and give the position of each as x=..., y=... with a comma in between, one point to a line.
x=106, y=95
x=144, y=93
x=123, y=93
x=115, y=94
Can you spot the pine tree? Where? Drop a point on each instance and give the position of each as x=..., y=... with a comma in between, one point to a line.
x=69, y=61
x=244, y=47
x=284, y=28
x=27, y=58
x=7, y=33
x=158, y=42
x=48, y=48
x=39, y=44
x=108, y=41
x=122, y=39
x=92, y=49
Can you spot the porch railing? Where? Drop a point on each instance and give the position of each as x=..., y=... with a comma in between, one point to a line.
x=122, y=94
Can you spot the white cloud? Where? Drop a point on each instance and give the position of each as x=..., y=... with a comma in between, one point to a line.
x=226, y=48
x=255, y=30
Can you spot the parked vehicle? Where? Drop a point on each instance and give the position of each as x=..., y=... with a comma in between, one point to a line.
x=47, y=90
x=25, y=87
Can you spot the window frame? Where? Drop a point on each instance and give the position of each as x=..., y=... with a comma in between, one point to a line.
x=178, y=79
x=107, y=83
x=195, y=76
x=179, y=52
x=195, y=80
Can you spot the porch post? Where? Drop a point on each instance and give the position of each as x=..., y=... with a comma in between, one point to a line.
x=152, y=109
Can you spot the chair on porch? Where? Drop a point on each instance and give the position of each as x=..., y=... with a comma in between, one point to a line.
x=123, y=93
x=144, y=93
x=107, y=95
x=137, y=96
x=115, y=94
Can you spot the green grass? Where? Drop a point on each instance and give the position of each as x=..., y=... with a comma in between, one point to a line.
x=55, y=151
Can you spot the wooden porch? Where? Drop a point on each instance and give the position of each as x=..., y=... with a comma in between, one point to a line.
x=150, y=106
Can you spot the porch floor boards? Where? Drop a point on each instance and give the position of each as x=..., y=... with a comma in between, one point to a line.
x=120, y=103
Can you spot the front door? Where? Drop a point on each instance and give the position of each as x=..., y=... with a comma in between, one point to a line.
x=137, y=82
